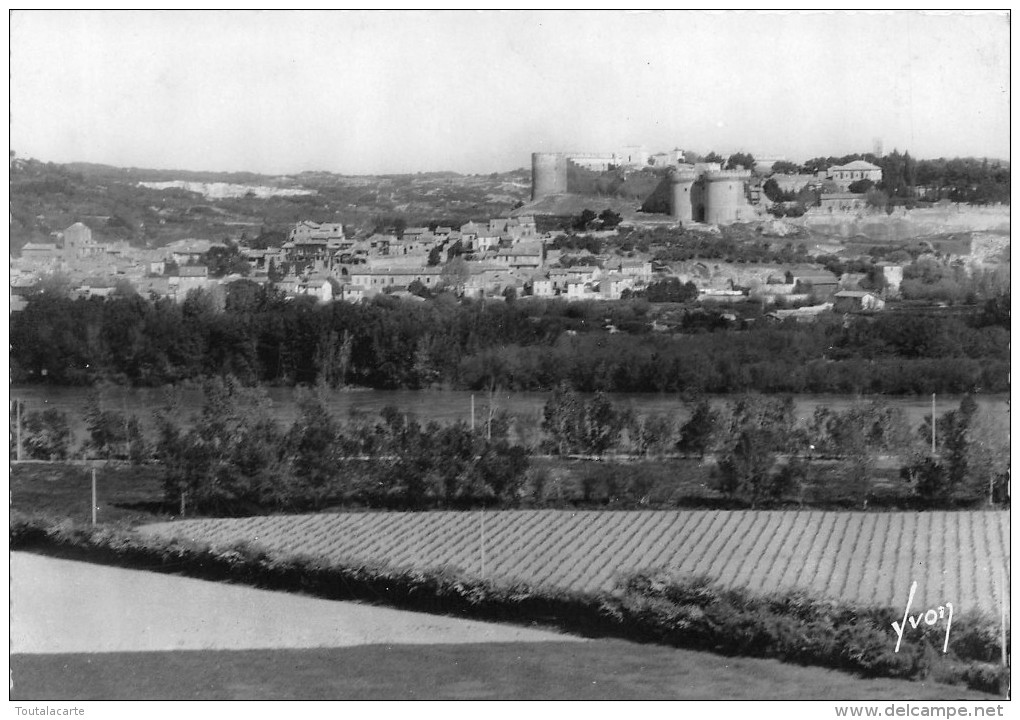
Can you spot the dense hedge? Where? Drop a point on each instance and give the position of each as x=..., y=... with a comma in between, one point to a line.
x=652, y=606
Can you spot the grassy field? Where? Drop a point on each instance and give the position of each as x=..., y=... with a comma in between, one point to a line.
x=870, y=558
x=599, y=670
x=133, y=494
x=126, y=494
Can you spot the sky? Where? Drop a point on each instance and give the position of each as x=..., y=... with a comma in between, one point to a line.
x=478, y=91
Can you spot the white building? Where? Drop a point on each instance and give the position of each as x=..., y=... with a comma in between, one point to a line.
x=543, y=287
x=849, y=301
x=318, y=287
x=844, y=175
x=309, y=230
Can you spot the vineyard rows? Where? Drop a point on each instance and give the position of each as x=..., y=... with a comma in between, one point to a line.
x=958, y=557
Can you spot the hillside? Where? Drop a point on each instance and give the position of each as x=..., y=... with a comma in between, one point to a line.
x=45, y=198
x=566, y=205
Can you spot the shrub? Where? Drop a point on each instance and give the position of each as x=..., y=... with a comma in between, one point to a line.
x=47, y=435
x=794, y=626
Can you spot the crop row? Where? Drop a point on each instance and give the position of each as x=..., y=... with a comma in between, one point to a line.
x=958, y=557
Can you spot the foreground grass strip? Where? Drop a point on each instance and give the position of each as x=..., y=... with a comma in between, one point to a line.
x=652, y=606
x=599, y=670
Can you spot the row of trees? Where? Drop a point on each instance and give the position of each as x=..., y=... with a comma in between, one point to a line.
x=47, y=434
x=258, y=337
x=764, y=454
x=234, y=456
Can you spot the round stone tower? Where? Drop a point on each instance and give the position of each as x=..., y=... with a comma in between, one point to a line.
x=548, y=174
x=725, y=202
x=681, y=201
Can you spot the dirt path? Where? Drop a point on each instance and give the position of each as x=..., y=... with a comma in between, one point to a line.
x=61, y=606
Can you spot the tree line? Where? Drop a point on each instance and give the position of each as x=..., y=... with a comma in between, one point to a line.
x=234, y=457
x=256, y=335
x=966, y=180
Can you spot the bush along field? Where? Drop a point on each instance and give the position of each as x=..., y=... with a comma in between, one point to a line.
x=650, y=606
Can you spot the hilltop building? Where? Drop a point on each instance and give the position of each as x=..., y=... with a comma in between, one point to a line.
x=703, y=192
x=844, y=175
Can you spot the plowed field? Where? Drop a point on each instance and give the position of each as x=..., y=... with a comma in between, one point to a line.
x=872, y=558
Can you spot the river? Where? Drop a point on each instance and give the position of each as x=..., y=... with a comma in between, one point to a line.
x=451, y=405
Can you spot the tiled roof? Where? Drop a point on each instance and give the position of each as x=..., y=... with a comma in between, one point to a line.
x=856, y=165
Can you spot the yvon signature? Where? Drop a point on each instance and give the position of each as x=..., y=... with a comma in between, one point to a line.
x=930, y=617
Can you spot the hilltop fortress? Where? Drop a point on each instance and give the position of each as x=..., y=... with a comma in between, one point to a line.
x=701, y=192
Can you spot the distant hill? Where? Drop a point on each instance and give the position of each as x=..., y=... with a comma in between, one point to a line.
x=133, y=174
x=46, y=198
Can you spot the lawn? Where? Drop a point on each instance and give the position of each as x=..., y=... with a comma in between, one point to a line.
x=595, y=670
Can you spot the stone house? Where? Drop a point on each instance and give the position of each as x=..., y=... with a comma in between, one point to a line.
x=519, y=257
x=188, y=278
x=39, y=252
x=376, y=278
x=318, y=287
x=844, y=175
x=856, y=301
x=819, y=283
x=612, y=286
x=352, y=293
x=543, y=287
x=309, y=230
x=78, y=243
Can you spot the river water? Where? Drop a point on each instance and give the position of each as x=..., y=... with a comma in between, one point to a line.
x=447, y=406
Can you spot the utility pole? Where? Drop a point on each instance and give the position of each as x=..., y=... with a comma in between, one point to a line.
x=1002, y=606
x=933, y=423
x=93, y=496
x=127, y=434
x=17, y=405
x=472, y=412
x=184, y=502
